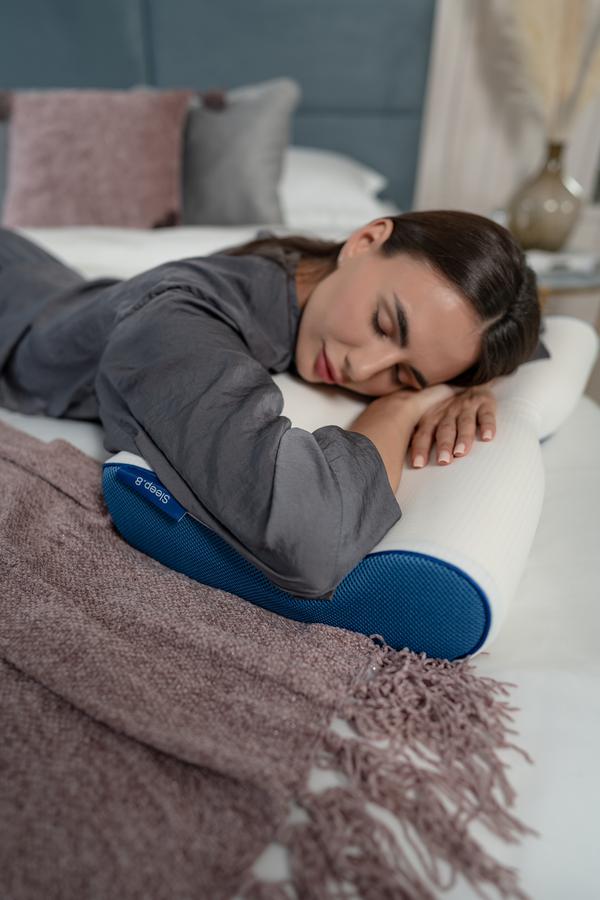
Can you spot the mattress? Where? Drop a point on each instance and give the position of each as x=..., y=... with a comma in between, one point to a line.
x=548, y=645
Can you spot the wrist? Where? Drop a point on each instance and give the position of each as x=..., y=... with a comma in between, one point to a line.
x=404, y=404
x=388, y=422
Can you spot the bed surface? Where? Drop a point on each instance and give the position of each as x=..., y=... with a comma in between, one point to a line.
x=547, y=647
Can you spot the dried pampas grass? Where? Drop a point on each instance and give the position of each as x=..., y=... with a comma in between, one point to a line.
x=558, y=45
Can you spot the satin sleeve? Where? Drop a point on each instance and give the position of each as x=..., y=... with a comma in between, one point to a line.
x=179, y=387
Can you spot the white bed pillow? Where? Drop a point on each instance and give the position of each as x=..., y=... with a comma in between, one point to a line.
x=313, y=162
x=323, y=188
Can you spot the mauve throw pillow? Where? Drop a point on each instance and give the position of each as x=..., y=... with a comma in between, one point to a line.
x=95, y=157
x=233, y=157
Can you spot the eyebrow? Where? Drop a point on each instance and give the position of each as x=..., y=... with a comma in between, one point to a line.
x=404, y=338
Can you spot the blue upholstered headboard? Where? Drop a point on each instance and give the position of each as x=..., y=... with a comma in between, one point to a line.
x=362, y=66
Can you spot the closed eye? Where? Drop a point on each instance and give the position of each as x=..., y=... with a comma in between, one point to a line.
x=382, y=334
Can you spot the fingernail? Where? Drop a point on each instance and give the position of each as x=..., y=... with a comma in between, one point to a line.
x=459, y=449
x=487, y=435
x=419, y=462
x=444, y=456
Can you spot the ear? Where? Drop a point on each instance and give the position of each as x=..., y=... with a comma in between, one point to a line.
x=367, y=239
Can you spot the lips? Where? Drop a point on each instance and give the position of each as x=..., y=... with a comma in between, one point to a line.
x=331, y=372
x=324, y=368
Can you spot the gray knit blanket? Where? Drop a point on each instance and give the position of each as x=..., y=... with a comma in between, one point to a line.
x=155, y=733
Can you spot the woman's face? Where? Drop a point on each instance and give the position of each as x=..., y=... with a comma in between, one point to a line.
x=352, y=317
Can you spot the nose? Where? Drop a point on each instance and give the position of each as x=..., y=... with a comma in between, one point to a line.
x=363, y=363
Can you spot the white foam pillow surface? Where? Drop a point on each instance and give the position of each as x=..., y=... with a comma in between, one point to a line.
x=324, y=188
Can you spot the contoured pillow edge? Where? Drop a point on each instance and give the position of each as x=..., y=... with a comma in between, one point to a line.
x=425, y=617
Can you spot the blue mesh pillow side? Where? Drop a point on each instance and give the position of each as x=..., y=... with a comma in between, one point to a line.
x=411, y=599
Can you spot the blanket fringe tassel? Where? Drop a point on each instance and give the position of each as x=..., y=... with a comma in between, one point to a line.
x=438, y=773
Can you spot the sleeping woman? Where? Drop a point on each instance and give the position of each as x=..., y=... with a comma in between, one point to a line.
x=420, y=312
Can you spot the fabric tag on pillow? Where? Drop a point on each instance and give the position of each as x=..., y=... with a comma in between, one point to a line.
x=150, y=489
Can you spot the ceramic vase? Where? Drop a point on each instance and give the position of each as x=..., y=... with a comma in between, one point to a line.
x=543, y=213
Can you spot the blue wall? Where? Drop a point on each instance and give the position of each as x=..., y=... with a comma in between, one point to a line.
x=361, y=64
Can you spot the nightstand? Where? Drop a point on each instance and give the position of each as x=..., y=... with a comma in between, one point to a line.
x=568, y=284
x=563, y=291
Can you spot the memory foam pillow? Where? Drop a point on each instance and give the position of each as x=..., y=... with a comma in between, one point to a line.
x=441, y=579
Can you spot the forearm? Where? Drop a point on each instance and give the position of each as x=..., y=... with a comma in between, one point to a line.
x=389, y=423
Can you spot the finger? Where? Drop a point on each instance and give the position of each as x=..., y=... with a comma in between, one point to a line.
x=427, y=400
x=466, y=433
x=420, y=446
x=487, y=423
x=445, y=437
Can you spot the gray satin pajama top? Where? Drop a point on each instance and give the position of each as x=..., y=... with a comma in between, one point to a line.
x=176, y=363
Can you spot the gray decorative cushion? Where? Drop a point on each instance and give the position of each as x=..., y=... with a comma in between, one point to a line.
x=5, y=106
x=3, y=161
x=233, y=158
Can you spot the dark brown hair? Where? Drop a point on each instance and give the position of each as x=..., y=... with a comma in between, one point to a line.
x=477, y=256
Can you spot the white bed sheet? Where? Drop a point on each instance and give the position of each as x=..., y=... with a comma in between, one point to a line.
x=123, y=252
x=548, y=645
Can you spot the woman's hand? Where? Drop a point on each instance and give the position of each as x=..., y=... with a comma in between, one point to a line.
x=420, y=402
x=452, y=423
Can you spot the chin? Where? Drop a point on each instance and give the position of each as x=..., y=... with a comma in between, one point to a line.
x=298, y=370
